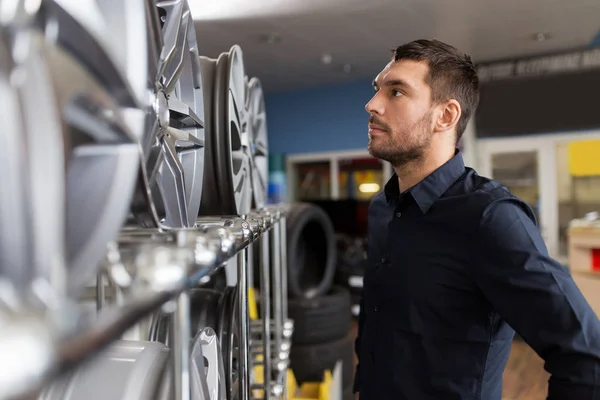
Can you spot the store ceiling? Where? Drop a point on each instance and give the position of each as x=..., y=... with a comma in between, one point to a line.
x=284, y=41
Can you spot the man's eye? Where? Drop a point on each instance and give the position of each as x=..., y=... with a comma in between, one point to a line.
x=396, y=93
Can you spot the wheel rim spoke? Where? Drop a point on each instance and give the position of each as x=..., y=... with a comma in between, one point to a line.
x=175, y=37
x=155, y=37
x=260, y=149
x=237, y=160
x=182, y=113
x=175, y=205
x=236, y=124
x=238, y=184
x=259, y=119
x=261, y=180
x=181, y=139
x=157, y=157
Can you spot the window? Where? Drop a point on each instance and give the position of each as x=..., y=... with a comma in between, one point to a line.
x=360, y=178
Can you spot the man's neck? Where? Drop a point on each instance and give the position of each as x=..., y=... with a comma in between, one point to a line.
x=414, y=172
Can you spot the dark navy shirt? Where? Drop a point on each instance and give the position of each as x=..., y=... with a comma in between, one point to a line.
x=456, y=265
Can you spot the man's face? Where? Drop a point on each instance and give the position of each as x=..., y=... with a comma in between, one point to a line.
x=400, y=123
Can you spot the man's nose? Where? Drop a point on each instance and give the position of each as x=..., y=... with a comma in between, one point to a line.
x=374, y=106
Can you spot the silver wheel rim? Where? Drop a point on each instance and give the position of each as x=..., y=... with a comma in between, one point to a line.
x=26, y=250
x=209, y=380
x=259, y=143
x=114, y=27
x=237, y=126
x=174, y=140
x=228, y=338
x=208, y=377
x=229, y=170
x=73, y=112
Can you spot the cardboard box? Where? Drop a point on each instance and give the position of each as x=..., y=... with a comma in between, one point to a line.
x=584, y=248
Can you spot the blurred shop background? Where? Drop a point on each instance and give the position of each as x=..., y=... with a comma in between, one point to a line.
x=537, y=128
x=127, y=120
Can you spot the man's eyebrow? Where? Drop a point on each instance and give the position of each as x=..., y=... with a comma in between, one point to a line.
x=393, y=82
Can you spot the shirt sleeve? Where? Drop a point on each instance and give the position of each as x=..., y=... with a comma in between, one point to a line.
x=538, y=298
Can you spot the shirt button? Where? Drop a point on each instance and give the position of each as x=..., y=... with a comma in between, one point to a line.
x=398, y=214
x=376, y=308
x=383, y=260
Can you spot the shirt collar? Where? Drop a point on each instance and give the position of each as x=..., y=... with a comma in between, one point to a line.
x=433, y=186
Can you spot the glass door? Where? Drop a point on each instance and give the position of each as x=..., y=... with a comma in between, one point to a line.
x=538, y=170
x=578, y=191
x=525, y=169
x=518, y=171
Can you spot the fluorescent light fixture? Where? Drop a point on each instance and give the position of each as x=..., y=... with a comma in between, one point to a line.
x=203, y=10
x=368, y=188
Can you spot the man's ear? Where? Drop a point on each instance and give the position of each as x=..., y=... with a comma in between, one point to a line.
x=448, y=116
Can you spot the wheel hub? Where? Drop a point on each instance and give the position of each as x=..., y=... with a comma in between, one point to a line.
x=161, y=107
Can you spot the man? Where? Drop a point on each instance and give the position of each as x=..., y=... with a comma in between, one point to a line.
x=456, y=262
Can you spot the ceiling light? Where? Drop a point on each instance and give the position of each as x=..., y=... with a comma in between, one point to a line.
x=326, y=58
x=271, y=38
x=541, y=37
x=368, y=188
x=228, y=10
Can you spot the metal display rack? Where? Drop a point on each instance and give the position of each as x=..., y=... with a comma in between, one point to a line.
x=166, y=265
x=139, y=167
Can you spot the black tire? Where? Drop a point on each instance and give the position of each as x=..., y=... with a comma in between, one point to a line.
x=311, y=251
x=321, y=319
x=310, y=361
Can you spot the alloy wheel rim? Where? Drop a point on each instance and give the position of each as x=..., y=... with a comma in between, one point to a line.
x=208, y=378
x=259, y=148
x=174, y=141
x=237, y=126
x=228, y=336
x=76, y=134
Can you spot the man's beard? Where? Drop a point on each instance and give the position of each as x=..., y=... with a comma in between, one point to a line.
x=387, y=149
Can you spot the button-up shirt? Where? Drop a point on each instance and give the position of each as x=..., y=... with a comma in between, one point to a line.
x=456, y=265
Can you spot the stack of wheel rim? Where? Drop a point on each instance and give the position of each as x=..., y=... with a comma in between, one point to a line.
x=114, y=121
x=229, y=186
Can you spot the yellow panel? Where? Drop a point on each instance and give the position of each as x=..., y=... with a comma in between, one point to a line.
x=252, y=307
x=584, y=158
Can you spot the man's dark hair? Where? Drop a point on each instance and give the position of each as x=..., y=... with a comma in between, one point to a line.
x=452, y=75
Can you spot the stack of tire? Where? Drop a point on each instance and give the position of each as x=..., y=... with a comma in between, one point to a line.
x=320, y=309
